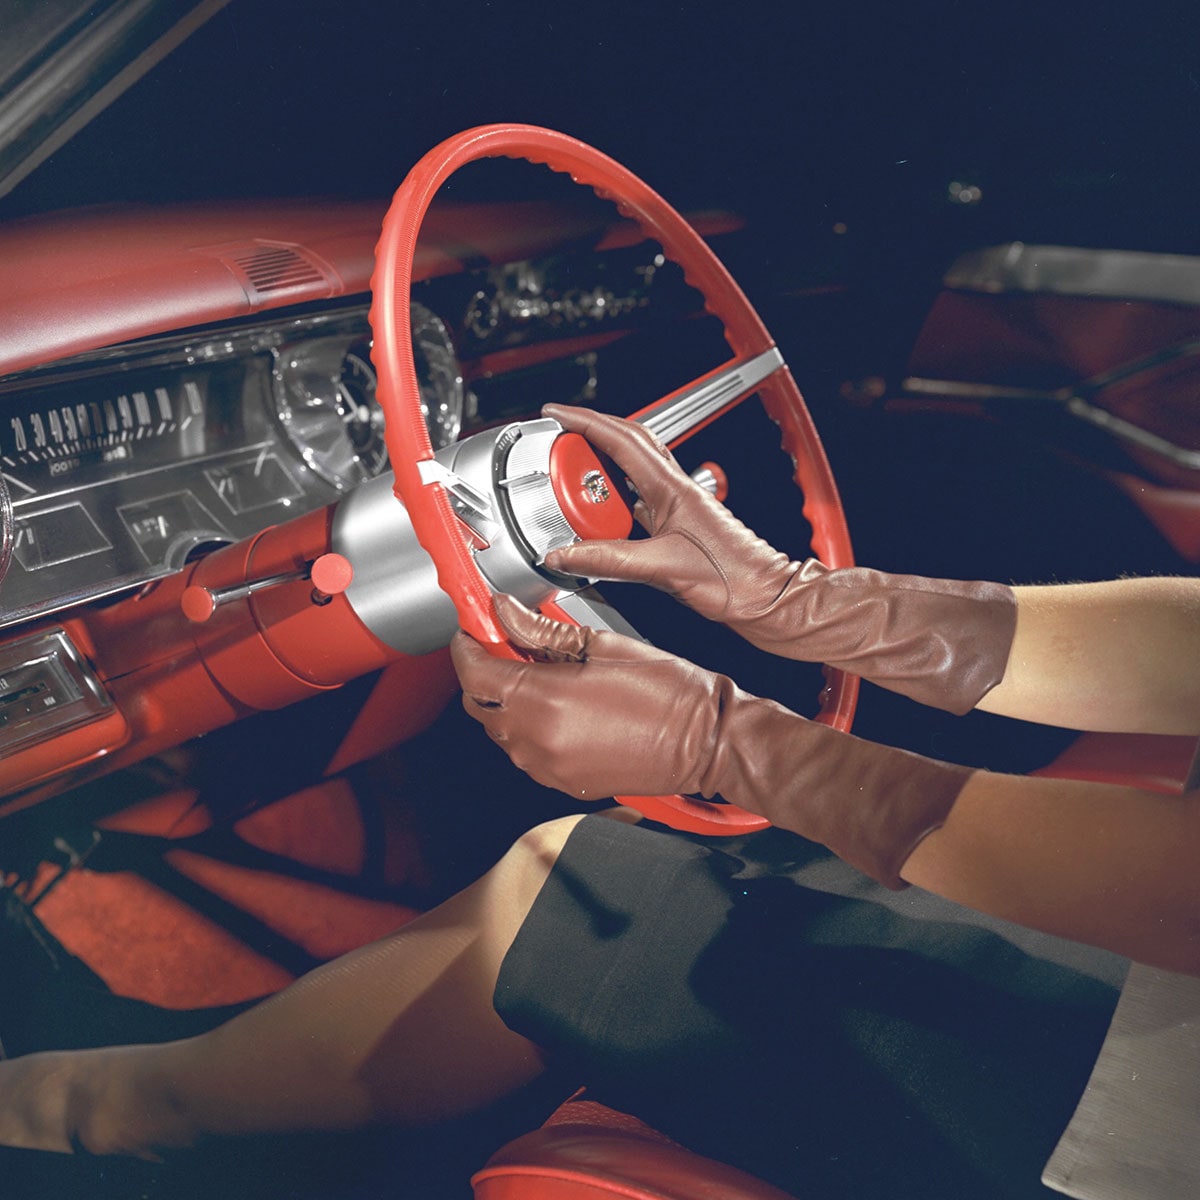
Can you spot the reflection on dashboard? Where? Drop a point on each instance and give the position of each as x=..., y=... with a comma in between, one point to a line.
x=125, y=464
x=75, y=433
x=324, y=393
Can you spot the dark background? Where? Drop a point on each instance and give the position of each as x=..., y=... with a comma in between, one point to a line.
x=1079, y=122
x=836, y=130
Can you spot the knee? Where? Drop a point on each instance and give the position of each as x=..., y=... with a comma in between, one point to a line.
x=517, y=878
x=502, y=899
x=537, y=850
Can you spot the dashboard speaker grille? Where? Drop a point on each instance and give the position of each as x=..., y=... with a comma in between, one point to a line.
x=266, y=269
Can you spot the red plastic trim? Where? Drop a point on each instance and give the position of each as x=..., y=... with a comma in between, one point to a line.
x=553, y=1183
x=1153, y=761
x=408, y=439
x=577, y=1161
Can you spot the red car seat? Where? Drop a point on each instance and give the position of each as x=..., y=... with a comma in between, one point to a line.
x=588, y=1152
x=1156, y=762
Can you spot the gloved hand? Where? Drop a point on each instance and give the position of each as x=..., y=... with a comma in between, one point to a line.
x=941, y=642
x=598, y=714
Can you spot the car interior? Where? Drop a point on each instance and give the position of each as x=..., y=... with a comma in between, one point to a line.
x=283, y=299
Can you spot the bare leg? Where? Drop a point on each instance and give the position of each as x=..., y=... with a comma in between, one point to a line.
x=402, y=1030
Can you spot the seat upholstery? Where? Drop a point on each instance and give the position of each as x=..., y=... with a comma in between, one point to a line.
x=1156, y=762
x=589, y=1152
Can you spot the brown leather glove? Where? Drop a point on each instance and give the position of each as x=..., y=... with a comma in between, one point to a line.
x=941, y=642
x=598, y=714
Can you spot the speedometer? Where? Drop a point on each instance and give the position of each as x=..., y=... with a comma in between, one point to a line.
x=325, y=399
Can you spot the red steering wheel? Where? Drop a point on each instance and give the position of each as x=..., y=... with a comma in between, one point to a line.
x=756, y=366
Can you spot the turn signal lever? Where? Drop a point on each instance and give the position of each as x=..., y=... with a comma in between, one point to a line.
x=330, y=575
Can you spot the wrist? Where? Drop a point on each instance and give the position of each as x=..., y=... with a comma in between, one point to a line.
x=871, y=805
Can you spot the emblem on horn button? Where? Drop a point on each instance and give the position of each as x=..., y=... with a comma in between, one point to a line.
x=596, y=487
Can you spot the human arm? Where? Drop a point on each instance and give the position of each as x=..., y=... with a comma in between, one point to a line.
x=1111, y=866
x=596, y=714
x=1112, y=656
x=1114, y=867
x=1119, y=656
x=941, y=642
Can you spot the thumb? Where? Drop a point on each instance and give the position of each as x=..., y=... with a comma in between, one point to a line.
x=625, y=561
x=553, y=641
x=545, y=639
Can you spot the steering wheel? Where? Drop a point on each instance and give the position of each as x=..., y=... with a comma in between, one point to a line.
x=457, y=511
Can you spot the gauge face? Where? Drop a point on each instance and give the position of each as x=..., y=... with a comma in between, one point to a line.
x=73, y=434
x=325, y=400
x=361, y=416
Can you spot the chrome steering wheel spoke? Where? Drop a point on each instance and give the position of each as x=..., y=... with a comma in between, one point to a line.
x=676, y=417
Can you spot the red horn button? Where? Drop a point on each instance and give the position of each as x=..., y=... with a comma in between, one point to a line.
x=584, y=488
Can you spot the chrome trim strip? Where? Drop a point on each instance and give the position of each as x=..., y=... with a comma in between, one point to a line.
x=1126, y=431
x=675, y=418
x=1072, y=271
x=963, y=390
x=248, y=451
x=1078, y=400
x=588, y=607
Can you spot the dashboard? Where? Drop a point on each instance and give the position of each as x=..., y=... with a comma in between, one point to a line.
x=129, y=465
x=124, y=466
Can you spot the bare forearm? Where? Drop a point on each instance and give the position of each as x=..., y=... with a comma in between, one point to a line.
x=1122, y=657
x=1109, y=866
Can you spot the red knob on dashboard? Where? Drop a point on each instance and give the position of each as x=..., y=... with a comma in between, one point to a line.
x=198, y=604
x=331, y=574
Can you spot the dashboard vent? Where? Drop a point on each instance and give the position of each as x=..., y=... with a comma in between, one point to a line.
x=266, y=269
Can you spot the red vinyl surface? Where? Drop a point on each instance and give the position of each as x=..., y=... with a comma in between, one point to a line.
x=588, y=1152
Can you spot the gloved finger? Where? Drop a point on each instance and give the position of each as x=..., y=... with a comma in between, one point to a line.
x=486, y=680
x=547, y=640
x=626, y=561
x=676, y=562
x=641, y=455
x=575, y=644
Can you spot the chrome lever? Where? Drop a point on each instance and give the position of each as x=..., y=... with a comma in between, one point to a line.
x=330, y=575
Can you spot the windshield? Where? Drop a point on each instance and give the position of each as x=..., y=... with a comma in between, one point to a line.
x=916, y=136
x=64, y=61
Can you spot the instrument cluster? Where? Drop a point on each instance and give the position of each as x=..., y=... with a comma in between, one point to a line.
x=124, y=465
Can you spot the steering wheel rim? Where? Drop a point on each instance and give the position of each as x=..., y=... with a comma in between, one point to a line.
x=434, y=522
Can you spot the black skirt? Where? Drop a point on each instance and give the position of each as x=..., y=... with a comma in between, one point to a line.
x=764, y=1004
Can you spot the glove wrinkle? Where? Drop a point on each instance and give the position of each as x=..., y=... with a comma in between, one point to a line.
x=943, y=643
x=628, y=719
x=870, y=804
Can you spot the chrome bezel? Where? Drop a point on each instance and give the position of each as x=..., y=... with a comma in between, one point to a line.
x=316, y=408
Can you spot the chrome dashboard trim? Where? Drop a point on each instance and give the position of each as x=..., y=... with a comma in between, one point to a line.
x=1078, y=400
